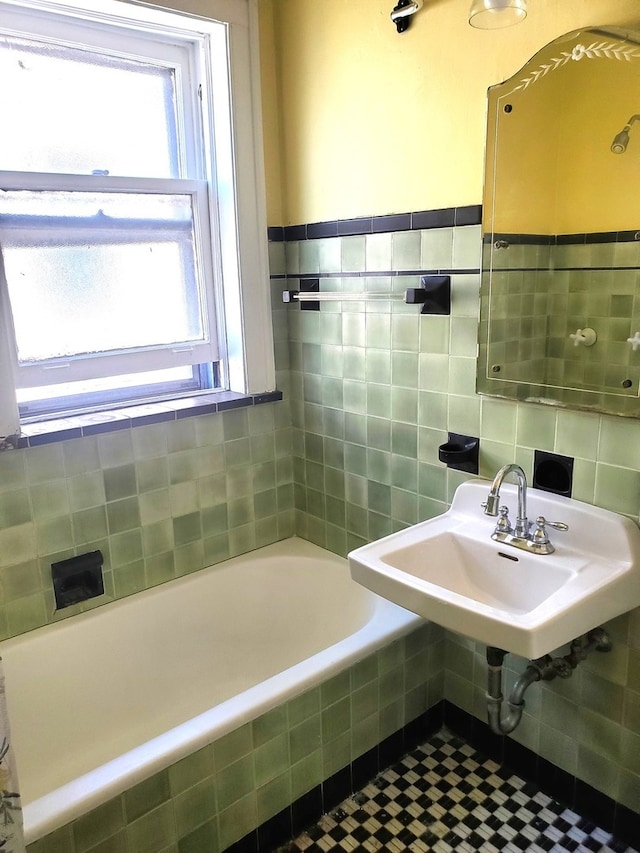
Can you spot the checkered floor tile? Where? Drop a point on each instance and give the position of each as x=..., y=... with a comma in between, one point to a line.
x=447, y=798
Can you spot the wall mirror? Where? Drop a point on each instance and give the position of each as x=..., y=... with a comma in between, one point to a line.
x=560, y=293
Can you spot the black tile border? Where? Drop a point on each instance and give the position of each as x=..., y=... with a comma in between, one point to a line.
x=582, y=239
x=510, y=755
x=442, y=218
x=81, y=426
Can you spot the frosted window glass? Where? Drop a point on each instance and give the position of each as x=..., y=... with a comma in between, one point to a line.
x=87, y=112
x=98, y=272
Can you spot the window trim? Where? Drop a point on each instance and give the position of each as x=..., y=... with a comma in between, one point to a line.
x=243, y=298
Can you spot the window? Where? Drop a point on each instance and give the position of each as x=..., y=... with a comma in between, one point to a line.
x=131, y=231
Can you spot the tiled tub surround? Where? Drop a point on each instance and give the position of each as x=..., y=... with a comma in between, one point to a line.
x=375, y=387
x=159, y=501
x=276, y=771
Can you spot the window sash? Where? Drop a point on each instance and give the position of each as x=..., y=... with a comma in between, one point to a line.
x=131, y=360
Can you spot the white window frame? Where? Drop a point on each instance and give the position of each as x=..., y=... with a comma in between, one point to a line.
x=236, y=202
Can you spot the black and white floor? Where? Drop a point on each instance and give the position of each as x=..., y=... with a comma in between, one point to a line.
x=446, y=797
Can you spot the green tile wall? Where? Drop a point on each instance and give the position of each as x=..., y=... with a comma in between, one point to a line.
x=158, y=501
x=351, y=454
x=374, y=389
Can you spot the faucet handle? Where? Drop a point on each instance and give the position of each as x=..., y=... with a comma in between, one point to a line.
x=504, y=525
x=540, y=536
x=541, y=521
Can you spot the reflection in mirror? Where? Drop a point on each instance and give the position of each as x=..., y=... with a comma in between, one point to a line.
x=560, y=295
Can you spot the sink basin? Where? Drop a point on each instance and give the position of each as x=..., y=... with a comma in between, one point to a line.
x=449, y=570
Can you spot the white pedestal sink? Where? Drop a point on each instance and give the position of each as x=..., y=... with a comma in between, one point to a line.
x=449, y=570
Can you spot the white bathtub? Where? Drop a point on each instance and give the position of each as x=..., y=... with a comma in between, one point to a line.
x=101, y=701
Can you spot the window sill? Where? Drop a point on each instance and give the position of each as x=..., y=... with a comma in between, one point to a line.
x=80, y=426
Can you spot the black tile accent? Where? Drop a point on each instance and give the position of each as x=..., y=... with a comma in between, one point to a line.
x=443, y=218
x=316, y=230
x=350, y=227
x=599, y=807
x=519, y=239
x=570, y=239
x=557, y=782
x=104, y=426
x=390, y=748
x=458, y=721
x=275, y=831
x=51, y=437
x=234, y=403
x=364, y=768
x=627, y=236
x=626, y=824
x=306, y=809
x=423, y=727
x=152, y=418
x=196, y=408
x=275, y=234
x=295, y=232
x=268, y=397
x=469, y=215
x=601, y=237
x=309, y=285
x=519, y=759
x=393, y=222
x=337, y=788
x=248, y=844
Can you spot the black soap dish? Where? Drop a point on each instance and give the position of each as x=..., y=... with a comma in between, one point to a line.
x=553, y=473
x=460, y=452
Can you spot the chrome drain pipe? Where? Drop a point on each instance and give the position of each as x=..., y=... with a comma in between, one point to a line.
x=543, y=669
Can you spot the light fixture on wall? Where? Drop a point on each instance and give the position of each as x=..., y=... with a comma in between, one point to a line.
x=494, y=14
x=621, y=140
x=402, y=12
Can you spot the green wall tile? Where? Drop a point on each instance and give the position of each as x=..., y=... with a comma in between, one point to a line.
x=153, y=831
x=98, y=825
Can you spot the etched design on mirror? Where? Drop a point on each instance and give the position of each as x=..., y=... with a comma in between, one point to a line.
x=560, y=228
x=611, y=50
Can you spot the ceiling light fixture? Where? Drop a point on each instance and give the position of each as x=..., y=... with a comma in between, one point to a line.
x=494, y=14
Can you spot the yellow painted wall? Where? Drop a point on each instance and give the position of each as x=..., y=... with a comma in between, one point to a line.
x=363, y=121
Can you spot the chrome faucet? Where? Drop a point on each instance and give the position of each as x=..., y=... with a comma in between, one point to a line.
x=491, y=506
x=519, y=536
